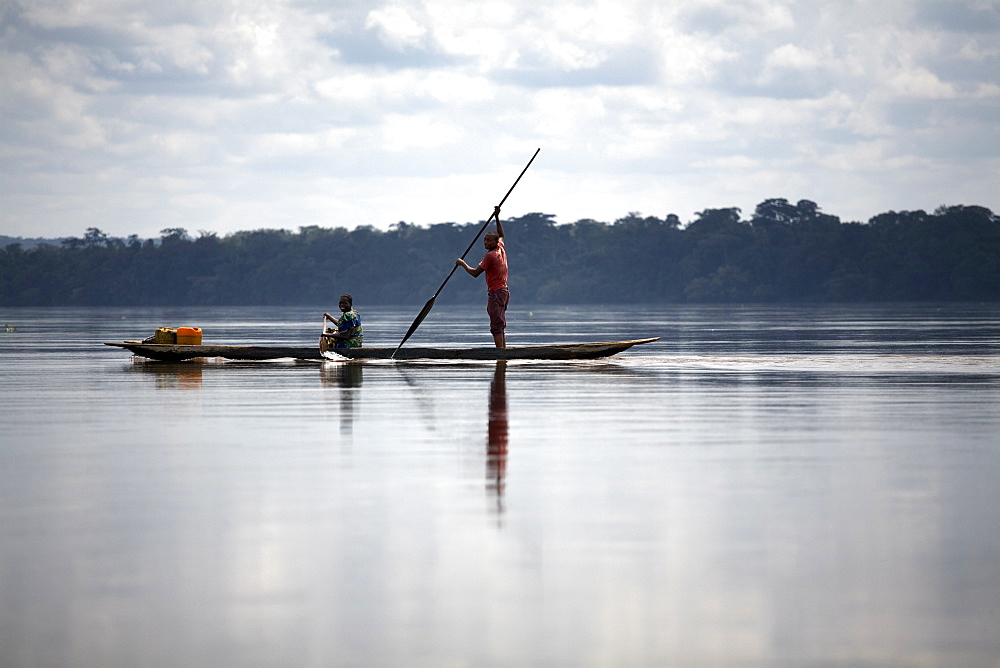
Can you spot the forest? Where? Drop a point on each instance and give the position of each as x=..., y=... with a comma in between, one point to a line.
x=784, y=252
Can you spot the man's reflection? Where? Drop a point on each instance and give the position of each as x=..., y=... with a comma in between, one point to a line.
x=496, y=434
x=348, y=377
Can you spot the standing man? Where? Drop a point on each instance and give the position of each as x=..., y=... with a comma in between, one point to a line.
x=495, y=265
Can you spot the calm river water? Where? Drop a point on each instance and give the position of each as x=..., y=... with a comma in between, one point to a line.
x=763, y=486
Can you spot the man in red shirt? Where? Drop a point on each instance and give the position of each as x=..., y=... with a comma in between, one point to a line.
x=495, y=265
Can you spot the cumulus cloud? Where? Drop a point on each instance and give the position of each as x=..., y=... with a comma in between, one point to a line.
x=133, y=116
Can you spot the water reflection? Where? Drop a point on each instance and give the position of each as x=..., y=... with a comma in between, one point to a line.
x=496, y=434
x=422, y=394
x=711, y=499
x=348, y=377
x=173, y=375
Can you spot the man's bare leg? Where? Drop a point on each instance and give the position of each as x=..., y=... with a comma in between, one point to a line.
x=500, y=340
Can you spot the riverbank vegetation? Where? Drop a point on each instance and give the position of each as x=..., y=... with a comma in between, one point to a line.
x=783, y=252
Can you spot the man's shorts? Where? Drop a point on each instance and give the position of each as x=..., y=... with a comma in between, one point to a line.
x=496, y=306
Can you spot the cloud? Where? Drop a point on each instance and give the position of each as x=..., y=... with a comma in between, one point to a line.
x=976, y=16
x=134, y=116
x=390, y=38
x=403, y=132
x=718, y=17
x=628, y=67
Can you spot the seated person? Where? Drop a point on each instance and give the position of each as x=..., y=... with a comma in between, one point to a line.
x=348, y=332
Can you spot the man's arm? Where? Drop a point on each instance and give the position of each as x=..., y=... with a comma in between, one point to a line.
x=337, y=334
x=473, y=271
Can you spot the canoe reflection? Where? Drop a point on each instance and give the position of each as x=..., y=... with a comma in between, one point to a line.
x=171, y=375
x=496, y=434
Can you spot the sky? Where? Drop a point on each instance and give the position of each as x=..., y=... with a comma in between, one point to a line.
x=218, y=116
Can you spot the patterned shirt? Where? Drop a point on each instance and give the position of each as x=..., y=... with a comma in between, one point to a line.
x=350, y=324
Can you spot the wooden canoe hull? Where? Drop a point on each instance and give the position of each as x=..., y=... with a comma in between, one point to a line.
x=573, y=351
x=178, y=353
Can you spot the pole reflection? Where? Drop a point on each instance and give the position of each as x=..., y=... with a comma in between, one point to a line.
x=496, y=434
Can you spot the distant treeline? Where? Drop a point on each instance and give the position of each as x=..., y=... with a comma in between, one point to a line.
x=783, y=253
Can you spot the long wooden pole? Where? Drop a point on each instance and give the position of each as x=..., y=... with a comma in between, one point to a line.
x=430, y=302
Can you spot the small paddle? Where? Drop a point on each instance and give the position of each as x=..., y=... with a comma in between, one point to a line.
x=430, y=302
x=324, y=344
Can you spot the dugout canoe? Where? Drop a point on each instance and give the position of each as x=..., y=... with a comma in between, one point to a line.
x=164, y=352
x=572, y=351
